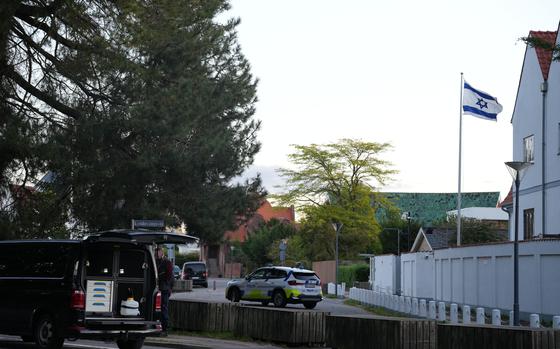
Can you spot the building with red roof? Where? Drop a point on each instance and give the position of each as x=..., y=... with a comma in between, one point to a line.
x=536, y=139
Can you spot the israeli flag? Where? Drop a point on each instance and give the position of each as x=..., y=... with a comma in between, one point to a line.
x=480, y=104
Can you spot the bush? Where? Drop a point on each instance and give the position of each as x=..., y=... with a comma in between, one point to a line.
x=351, y=273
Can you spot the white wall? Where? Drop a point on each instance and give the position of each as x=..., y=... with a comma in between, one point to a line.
x=527, y=120
x=386, y=270
x=483, y=276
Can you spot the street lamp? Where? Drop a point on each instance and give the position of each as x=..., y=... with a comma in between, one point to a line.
x=406, y=215
x=516, y=170
x=337, y=227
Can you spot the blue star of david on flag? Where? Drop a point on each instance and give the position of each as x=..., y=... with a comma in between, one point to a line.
x=480, y=104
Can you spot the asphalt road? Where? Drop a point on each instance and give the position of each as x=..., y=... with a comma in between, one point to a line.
x=333, y=306
x=11, y=342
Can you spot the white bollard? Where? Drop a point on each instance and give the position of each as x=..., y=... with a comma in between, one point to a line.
x=480, y=316
x=407, y=305
x=432, y=310
x=511, y=317
x=466, y=314
x=496, y=317
x=453, y=313
x=441, y=312
x=534, y=321
x=395, y=302
x=414, y=307
x=556, y=322
x=422, y=308
x=401, y=304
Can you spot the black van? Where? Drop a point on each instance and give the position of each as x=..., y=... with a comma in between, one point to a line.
x=197, y=272
x=51, y=290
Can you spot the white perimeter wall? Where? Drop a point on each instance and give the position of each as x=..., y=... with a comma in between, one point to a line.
x=385, y=270
x=483, y=276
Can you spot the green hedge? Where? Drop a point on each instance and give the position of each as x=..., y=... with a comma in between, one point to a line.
x=351, y=273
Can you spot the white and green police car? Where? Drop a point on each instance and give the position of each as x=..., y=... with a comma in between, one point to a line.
x=281, y=285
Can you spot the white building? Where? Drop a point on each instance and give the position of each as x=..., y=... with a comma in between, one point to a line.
x=536, y=138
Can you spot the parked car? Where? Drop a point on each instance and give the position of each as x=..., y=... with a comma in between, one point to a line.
x=176, y=272
x=197, y=272
x=103, y=287
x=281, y=285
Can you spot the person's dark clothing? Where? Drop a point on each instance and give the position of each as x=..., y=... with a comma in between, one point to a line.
x=165, y=283
x=165, y=309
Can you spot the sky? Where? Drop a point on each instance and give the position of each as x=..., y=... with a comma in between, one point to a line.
x=389, y=71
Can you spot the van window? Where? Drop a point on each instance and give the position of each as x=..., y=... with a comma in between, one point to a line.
x=100, y=262
x=34, y=260
x=130, y=263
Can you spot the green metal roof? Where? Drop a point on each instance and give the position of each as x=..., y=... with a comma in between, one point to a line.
x=429, y=207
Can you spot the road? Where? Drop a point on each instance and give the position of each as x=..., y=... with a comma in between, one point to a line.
x=333, y=306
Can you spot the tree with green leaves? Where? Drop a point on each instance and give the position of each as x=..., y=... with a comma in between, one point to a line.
x=335, y=183
x=139, y=109
x=256, y=247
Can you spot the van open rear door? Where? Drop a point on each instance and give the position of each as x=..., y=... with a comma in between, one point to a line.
x=142, y=237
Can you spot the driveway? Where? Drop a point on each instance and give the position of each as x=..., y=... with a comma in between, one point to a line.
x=216, y=293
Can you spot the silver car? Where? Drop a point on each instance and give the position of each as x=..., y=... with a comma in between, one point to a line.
x=281, y=285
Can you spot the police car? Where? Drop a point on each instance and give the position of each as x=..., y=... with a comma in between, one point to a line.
x=279, y=285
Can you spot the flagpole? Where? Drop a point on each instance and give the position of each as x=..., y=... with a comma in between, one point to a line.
x=459, y=176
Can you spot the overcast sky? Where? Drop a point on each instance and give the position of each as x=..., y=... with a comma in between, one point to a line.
x=389, y=71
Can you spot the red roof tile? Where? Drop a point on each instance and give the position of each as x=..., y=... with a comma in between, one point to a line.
x=544, y=56
x=508, y=200
x=264, y=214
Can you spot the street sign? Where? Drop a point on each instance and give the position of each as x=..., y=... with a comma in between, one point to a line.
x=148, y=223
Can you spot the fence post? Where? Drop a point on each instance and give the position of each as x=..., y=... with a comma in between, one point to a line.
x=480, y=316
x=535, y=321
x=432, y=310
x=511, y=317
x=401, y=304
x=496, y=317
x=556, y=322
x=466, y=314
x=453, y=313
x=422, y=311
x=414, y=309
x=442, y=316
x=407, y=305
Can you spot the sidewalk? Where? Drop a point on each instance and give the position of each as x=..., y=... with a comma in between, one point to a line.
x=188, y=342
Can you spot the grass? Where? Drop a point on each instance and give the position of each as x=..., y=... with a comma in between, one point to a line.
x=374, y=310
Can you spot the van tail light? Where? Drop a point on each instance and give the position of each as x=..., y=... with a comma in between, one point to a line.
x=158, y=301
x=205, y=274
x=78, y=300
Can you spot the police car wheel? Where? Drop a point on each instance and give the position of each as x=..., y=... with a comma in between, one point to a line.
x=234, y=295
x=279, y=299
x=309, y=305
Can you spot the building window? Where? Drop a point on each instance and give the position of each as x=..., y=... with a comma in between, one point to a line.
x=529, y=148
x=528, y=223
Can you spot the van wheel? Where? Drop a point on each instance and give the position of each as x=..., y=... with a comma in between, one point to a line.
x=45, y=334
x=309, y=305
x=130, y=343
x=234, y=295
x=279, y=299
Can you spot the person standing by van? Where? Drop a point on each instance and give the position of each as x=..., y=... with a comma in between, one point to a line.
x=165, y=283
